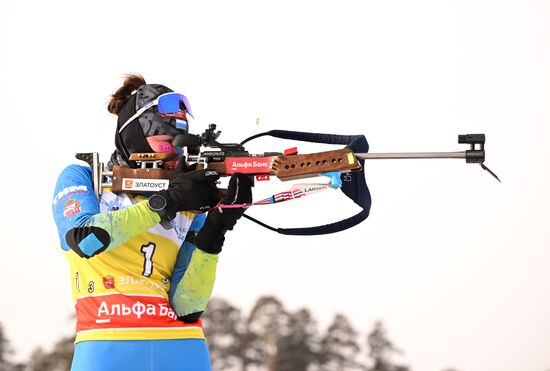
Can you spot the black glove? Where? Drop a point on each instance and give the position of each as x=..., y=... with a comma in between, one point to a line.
x=191, y=190
x=212, y=235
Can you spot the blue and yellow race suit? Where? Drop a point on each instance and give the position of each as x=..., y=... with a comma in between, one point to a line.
x=131, y=278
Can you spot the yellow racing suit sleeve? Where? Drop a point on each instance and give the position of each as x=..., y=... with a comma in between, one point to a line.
x=193, y=277
x=195, y=287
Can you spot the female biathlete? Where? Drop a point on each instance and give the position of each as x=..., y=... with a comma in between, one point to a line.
x=139, y=289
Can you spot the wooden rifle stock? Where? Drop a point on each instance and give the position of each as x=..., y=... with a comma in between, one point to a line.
x=284, y=167
x=123, y=175
x=125, y=179
x=314, y=164
x=288, y=167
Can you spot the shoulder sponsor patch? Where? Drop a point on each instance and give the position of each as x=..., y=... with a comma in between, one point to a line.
x=77, y=189
x=71, y=208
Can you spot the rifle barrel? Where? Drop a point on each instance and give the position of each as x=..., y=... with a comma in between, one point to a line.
x=409, y=155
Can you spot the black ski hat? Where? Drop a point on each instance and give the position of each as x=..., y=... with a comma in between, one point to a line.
x=133, y=137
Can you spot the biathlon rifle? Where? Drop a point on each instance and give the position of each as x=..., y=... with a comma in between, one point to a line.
x=344, y=167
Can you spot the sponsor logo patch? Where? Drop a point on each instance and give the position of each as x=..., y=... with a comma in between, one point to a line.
x=72, y=207
x=248, y=165
x=79, y=189
x=144, y=185
x=109, y=282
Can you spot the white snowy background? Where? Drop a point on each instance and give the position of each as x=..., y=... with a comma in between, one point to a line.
x=454, y=263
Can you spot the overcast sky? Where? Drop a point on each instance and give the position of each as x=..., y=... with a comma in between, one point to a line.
x=454, y=263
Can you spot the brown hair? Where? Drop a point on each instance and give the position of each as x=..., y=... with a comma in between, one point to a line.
x=132, y=82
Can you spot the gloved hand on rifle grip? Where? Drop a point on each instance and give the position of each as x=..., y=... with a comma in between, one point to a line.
x=211, y=237
x=189, y=190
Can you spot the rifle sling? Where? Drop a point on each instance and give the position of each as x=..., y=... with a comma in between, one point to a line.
x=354, y=184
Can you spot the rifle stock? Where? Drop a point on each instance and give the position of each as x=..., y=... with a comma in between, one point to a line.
x=314, y=164
x=284, y=167
x=289, y=167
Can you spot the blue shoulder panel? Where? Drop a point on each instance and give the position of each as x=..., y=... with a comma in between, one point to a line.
x=74, y=200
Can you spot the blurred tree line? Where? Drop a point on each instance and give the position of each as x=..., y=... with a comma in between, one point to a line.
x=269, y=338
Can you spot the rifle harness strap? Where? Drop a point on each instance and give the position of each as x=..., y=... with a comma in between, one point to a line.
x=354, y=185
